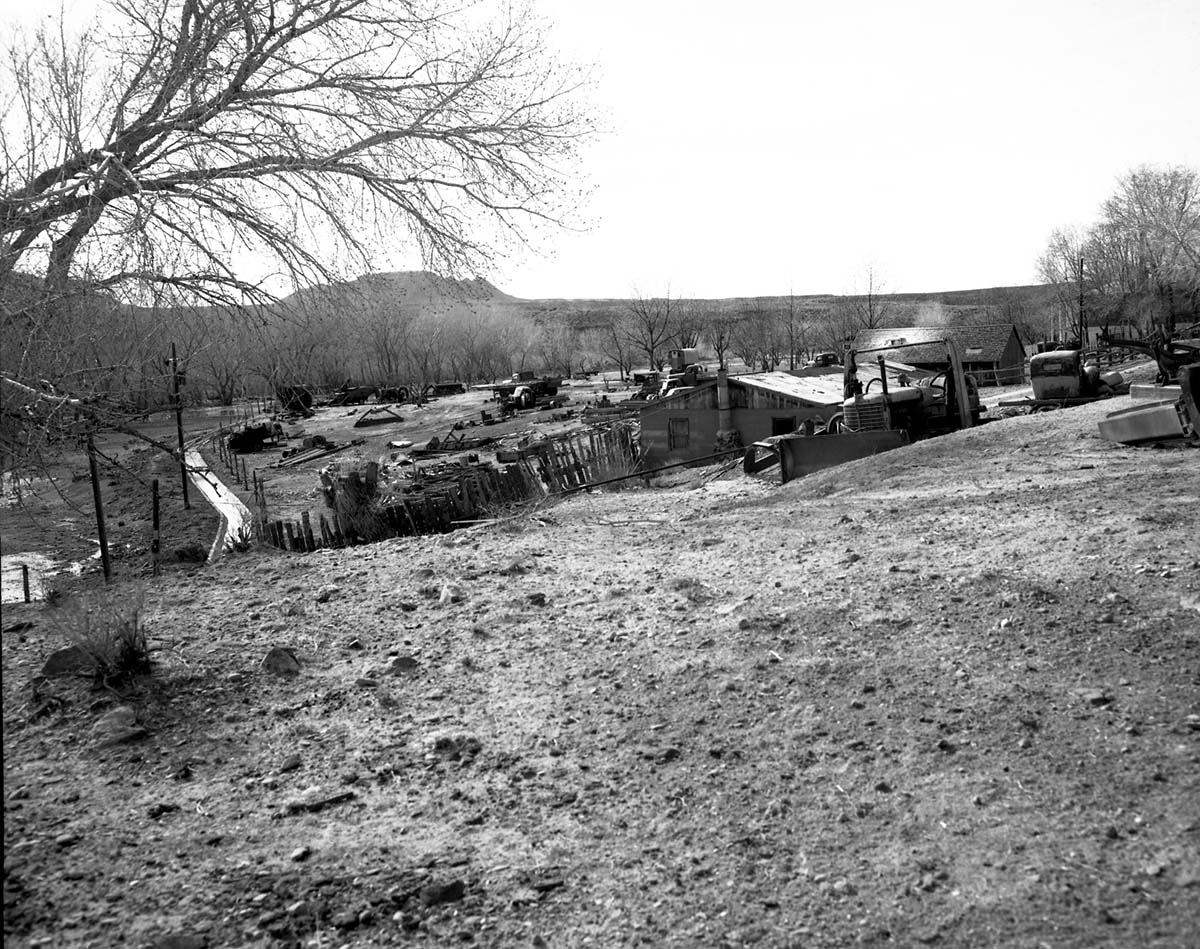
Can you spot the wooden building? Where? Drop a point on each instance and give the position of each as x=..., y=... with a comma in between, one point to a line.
x=992, y=352
x=698, y=421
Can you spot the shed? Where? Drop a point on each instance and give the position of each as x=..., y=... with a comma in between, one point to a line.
x=688, y=424
x=992, y=352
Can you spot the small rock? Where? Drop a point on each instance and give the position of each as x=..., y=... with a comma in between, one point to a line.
x=290, y=763
x=367, y=682
x=450, y=594
x=158, y=810
x=1093, y=697
x=400, y=665
x=345, y=919
x=326, y=593
x=883, y=787
x=437, y=893
x=536, y=599
x=71, y=660
x=354, y=643
x=300, y=854
x=66, y=840
x=947, y=746
x=406, y=606
x=281, y=660
x=117, y=726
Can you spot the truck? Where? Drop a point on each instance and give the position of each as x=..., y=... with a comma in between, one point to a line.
x=894, y=408
x=524, y=389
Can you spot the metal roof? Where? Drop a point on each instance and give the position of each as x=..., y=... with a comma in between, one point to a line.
x=820, y=390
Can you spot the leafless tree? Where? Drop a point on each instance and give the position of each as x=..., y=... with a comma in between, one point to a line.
x=649, y=325
x=1141, y=260
x=156, y=159
x=720, y=328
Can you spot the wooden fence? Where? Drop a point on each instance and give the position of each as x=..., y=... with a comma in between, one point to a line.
x=453, y=498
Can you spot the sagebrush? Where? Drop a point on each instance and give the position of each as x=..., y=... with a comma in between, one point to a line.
x=106, y=627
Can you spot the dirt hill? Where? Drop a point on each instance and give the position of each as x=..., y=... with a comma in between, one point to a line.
x=946, y=696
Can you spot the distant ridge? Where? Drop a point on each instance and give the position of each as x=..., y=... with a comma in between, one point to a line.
x=415, y=287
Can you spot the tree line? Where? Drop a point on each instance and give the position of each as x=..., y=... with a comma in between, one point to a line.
x=1138, y=265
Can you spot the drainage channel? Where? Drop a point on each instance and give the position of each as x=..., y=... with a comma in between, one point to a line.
x=235, y=516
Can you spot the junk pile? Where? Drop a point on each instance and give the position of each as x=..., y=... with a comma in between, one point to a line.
x=369, y=500
x=252, y=438
x=312, y=448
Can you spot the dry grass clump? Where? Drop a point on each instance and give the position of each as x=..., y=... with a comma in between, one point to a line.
x=105, y=628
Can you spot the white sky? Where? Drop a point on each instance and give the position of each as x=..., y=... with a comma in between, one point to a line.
x=769, y=146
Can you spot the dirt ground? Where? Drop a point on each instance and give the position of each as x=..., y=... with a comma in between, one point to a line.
x=946, y=696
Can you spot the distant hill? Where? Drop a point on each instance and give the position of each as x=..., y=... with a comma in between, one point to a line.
x=415, y=288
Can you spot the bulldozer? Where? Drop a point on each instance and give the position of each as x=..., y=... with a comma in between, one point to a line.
x=899, y=405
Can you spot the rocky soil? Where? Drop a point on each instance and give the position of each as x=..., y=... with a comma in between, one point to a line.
x=947, y=696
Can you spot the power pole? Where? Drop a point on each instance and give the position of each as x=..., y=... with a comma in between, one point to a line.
x=175, y=374
x=1082, y=324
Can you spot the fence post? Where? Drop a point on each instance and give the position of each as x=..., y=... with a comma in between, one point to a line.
x=101, y=532
x=155, y=537
x=25, y=581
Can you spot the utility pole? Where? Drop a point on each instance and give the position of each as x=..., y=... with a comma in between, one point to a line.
x=175, y=374
x=1082, y=324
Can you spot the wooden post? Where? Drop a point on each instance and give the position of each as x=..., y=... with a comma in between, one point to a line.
x=245, y=481
x=25, y=581
x=309, y=543
x=99, y=502
x=179, y=424
x=155, y=536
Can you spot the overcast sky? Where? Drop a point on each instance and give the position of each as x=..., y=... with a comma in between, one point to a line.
x=766, y=147
x=762, y=146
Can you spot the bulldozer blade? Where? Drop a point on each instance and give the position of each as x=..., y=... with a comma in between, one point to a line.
x=799, y=455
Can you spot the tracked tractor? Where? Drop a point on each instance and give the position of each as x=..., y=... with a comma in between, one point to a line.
x=899, y=405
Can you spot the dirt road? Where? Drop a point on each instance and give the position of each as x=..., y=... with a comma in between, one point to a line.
x=946, y=696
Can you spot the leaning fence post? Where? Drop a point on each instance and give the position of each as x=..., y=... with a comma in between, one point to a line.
x=98, y=502
x=25, y=581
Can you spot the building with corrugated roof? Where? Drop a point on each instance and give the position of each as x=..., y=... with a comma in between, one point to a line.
x=992, y=352
x=695, y=422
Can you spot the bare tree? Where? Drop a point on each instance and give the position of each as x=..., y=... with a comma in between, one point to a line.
x=617, y=342
x=205, y=126
x=1141, y=260
x=720, y=328
x=167, y=160
x=649, y=325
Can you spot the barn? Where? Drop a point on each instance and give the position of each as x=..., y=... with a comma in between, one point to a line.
x=698, y=421
x=992, y=352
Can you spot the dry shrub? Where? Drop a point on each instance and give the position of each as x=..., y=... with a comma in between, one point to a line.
x=105, y=626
